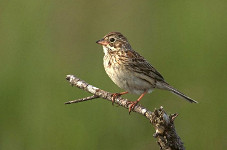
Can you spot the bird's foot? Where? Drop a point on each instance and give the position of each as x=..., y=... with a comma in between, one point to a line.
x=132, y=105
x=115, y=95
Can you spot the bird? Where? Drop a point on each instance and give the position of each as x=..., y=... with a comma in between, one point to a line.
x=130, y=71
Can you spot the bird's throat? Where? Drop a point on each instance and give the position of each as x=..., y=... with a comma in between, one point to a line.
x=105, y=50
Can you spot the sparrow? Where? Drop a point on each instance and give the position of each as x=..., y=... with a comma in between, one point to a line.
x=130, y=71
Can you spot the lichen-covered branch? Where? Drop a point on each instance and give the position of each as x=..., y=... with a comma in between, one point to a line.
x=163, y=123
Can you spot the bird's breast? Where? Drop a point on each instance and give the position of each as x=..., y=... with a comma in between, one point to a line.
x=123, y=77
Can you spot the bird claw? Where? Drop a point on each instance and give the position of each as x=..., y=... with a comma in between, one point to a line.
x=132, y=105
x=114, y=95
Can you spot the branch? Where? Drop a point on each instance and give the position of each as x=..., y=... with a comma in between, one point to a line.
x=163, y=123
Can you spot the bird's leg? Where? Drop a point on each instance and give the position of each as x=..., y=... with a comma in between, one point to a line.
x=134, y=103
x=116, y=95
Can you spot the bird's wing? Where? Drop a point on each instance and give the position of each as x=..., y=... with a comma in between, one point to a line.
x=139, y=64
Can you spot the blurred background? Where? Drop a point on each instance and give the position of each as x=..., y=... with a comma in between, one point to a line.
x=41, y=41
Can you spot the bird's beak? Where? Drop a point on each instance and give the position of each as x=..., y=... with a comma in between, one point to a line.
x=102, y=42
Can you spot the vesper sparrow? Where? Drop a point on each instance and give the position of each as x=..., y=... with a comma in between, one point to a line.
x=130, y=71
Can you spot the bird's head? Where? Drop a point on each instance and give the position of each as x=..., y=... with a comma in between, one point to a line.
x=114, y=41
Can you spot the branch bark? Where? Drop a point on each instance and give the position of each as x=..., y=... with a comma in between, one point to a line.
x=163, y=123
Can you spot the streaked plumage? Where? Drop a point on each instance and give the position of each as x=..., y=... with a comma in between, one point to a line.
x=129, y=70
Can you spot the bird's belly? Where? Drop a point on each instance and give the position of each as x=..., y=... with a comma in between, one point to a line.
x=127, y=80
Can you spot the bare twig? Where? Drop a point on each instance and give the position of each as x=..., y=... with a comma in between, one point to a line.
x=166, y=135
x=82, y=99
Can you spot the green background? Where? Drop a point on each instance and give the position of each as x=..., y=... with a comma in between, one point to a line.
x=41, y=41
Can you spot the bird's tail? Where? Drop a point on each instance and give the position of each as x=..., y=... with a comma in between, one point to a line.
x=166, y=86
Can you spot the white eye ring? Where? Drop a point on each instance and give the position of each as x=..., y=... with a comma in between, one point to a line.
x=112, y=39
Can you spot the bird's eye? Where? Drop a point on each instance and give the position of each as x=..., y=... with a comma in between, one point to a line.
x=112, y=39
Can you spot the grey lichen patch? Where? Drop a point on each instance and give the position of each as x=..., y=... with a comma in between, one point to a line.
x=123, y=102
x=144, y=111
x=79, y=83
x=71, y=77
x=92, y=89
x=166, y=118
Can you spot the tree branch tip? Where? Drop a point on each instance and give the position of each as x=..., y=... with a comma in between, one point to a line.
x=173, y=116
x=70, y=77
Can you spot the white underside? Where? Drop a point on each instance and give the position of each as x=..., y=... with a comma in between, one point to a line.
x=125, y=79
x=130, y=83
